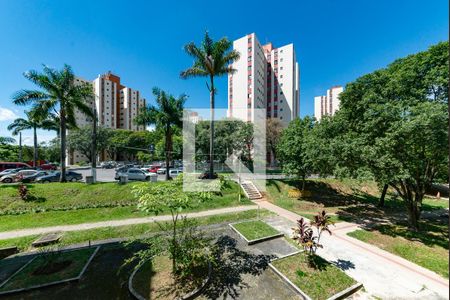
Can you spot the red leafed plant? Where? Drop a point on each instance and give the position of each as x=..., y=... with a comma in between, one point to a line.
x=23, y=191
x=304, y=233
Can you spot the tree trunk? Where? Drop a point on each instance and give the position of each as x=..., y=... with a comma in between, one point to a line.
x=167, y=146
x=35, y=146
x=62, y=113
x=303, y=182
x=211, y=133
x=94, y=147
x=413, y=214
x=383, y=195
x=20, y=147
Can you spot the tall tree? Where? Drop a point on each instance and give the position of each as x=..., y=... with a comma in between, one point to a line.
x=273, y=134
x=58, y=94
x=33, y=122
x=393, y=123
x=211, y=59
x=81, y=140
x=167, y=115
x=291, y=149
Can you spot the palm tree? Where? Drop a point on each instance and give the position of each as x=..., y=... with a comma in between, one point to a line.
x=211, y=59
x=59, y=95
x=167, y=116
x=33, y=122
x=6, y=140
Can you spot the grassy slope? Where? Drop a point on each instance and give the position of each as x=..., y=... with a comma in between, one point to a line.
x=427, y=248
x=128, y=231
x=346, y=198
x=253, y=230
x=78, y=216
x=319, y=282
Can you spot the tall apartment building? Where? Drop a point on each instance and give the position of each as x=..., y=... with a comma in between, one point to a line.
x=328, y=104
x=116, y=106
x=265, y=77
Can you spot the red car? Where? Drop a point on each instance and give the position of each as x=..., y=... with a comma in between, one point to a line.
x=154, y=169
x=47, y=167
x=13, y=165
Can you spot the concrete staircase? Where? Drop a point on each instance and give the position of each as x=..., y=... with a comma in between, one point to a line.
x=250, y=190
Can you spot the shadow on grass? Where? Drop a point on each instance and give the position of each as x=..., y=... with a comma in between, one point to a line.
x=230, y=266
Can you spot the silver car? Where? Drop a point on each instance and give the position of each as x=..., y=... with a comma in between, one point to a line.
x=135, y=174
x=15, y=176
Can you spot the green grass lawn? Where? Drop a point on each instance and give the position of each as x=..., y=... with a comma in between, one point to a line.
x=253, y=230
x=427, y=248
x=345, y=199
x=77, y=216
x=28, y=278
x=128, y=231
x=320, y=280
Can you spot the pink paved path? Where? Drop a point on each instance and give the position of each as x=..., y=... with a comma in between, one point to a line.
x=383, y=274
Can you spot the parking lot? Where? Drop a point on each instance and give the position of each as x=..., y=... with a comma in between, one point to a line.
x=104, y=175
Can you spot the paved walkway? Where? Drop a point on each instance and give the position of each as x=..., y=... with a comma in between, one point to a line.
x=114, y=223
x=383, y=274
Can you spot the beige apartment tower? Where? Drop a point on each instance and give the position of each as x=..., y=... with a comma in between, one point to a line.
x=116, y=106
x=327, y=105
x=266, y=78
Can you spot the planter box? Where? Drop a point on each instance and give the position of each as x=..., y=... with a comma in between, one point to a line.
x=258, y=240
x=5, y=252
x=340, y=295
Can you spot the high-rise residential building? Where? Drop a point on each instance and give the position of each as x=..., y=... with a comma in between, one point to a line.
x=328, y=104
x=265, y=77
x=116, y=106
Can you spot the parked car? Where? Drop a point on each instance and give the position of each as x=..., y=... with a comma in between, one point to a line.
x=33, y=177
x=16, y=176
x=8, y=171
x=48, y=167
x=135, y=174
x=108, y=165
x=175, y=173
x=154, y=169
x=13, y=165
x=54, y=177
x=161, y=171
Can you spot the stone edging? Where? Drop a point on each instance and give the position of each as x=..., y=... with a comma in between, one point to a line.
x=188, y=296
x=49, y=283
x=341, y=295
x=255, y=241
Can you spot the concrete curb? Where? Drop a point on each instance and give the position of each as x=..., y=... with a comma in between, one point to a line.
x=255, y=241
x=341, y=295
x=188, y=296
x=49, y=283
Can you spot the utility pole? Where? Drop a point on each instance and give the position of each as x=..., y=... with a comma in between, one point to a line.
x=94, y=146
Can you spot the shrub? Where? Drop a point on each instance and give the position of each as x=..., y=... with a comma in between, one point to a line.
x=23, y=191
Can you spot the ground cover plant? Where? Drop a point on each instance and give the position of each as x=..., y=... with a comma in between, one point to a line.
x=255, y=229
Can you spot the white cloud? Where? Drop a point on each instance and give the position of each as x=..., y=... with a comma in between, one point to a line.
x=7, y=114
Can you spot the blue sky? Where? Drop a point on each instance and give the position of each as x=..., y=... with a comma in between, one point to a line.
x=335, y=41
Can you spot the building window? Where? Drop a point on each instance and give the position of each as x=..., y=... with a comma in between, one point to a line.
x=249, y=49
x=281, y=68
x=249, y=58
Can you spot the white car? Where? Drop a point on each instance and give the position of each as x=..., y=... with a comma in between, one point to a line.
x=175, y=173
x=11, y=177
x=135, y=174
x=161, y=171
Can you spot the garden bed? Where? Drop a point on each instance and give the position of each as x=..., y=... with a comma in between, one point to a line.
x=315, y=278
x=49, y=269
x=255, y=231
x=154, y=280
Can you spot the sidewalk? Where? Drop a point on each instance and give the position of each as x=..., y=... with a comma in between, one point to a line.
x=383, y=274
x=114, y=223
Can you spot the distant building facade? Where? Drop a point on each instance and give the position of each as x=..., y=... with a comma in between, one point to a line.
x=116, y=106
x=327, y=105
x=265, y=77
